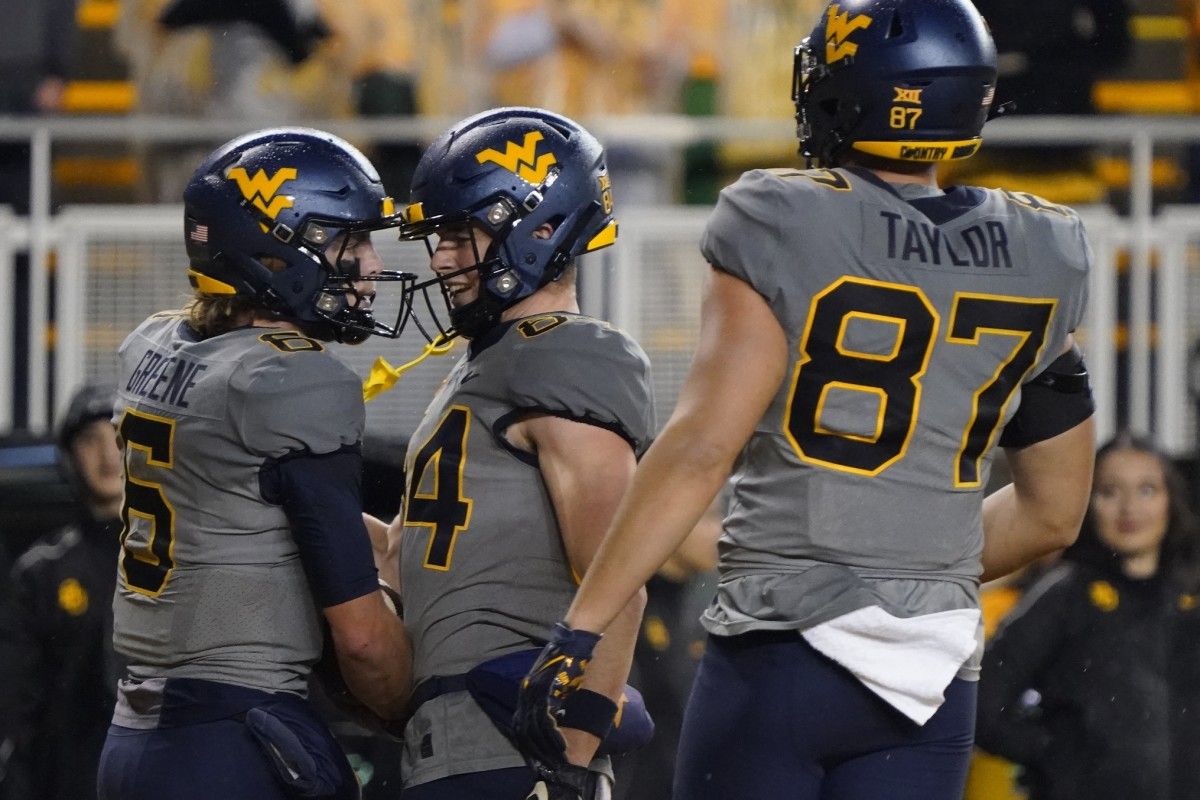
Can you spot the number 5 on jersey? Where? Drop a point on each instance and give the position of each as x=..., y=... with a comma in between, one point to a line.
x=435, y=487
x=146, y=562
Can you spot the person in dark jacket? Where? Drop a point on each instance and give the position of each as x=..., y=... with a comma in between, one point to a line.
x=1082, y=683
x=56, y=659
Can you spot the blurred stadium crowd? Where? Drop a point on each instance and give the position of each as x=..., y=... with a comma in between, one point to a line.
x=296, y=60
x=327, y=59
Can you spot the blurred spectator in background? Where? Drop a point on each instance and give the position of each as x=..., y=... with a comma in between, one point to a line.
x=1086, y=682
x=278, y=61
x=57, y=665
x=669, y=648
x=993, y=777
x=378, y=39
x=1050, y=55
x=756, y=87
x=249, y=40
x=36, y=45
x=589, y=59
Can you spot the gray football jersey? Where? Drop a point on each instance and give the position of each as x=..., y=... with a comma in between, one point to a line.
x=210, y=580
x=483, y=571
x=912, y=318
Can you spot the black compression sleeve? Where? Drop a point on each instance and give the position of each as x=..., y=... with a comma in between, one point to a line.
x=1058, y=399
x=322, y=497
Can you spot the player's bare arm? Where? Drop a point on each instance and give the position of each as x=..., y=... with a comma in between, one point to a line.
x=740, y=360
x=385, y=547
x=374, y=653
x=1041, y=510
x=587, y=470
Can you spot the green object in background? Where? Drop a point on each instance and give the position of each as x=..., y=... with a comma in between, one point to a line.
x=363, y=770
x=701, y=169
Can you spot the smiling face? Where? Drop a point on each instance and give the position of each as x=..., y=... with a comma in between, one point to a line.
x=459, y=247
x=1131, y=502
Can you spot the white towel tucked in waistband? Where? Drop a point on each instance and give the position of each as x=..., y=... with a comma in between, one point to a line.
x=908, y=662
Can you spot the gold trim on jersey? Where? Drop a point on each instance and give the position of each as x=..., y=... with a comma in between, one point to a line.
x=900, y=322
x=286, y=341
x=536, y=326
x=805, y=358
x=1022, y=337
x=148, y=556
x=434, y=461
x=818, y=427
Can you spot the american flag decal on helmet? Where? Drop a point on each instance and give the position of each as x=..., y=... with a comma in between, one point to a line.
x=198, y=233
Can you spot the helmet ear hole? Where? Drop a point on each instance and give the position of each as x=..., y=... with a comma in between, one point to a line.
x=271, y=263
x=896, y=28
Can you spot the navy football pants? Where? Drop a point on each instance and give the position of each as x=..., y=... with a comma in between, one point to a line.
x=193, y=762
x=771, y=718
x=207, y=750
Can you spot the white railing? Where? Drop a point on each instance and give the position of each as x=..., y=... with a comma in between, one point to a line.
x=117, y=264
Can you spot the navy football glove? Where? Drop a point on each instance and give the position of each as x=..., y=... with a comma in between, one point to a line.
x=557, y=673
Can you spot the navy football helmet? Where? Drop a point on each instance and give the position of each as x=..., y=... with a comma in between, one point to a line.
x=260, y=215
x=903, y=80
x=511, y=170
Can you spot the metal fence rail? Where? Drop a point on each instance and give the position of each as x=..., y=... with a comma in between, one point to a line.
x=118, y=264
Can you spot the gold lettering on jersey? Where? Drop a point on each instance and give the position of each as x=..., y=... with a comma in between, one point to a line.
x=538, y=325
x=522, y=159
x=1032, y=201
x=829, y=179
x=837, y=32
x=262, y=190
x=291, y=342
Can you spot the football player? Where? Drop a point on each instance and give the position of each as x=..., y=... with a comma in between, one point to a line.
x=866, y=339
x=520, y=459
x=242, y=512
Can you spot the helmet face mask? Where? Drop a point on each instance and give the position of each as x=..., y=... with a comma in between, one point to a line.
x=261, y=214
x=894, y=80
x=516, y=173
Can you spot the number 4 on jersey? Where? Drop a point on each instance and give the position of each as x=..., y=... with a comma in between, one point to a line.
x=442, y=506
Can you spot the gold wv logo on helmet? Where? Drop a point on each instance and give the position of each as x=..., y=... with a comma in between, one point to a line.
x=261, y=190
x=837, y=32
x=522, y=159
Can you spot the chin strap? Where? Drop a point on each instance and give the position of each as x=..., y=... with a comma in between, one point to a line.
x=384, y=376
